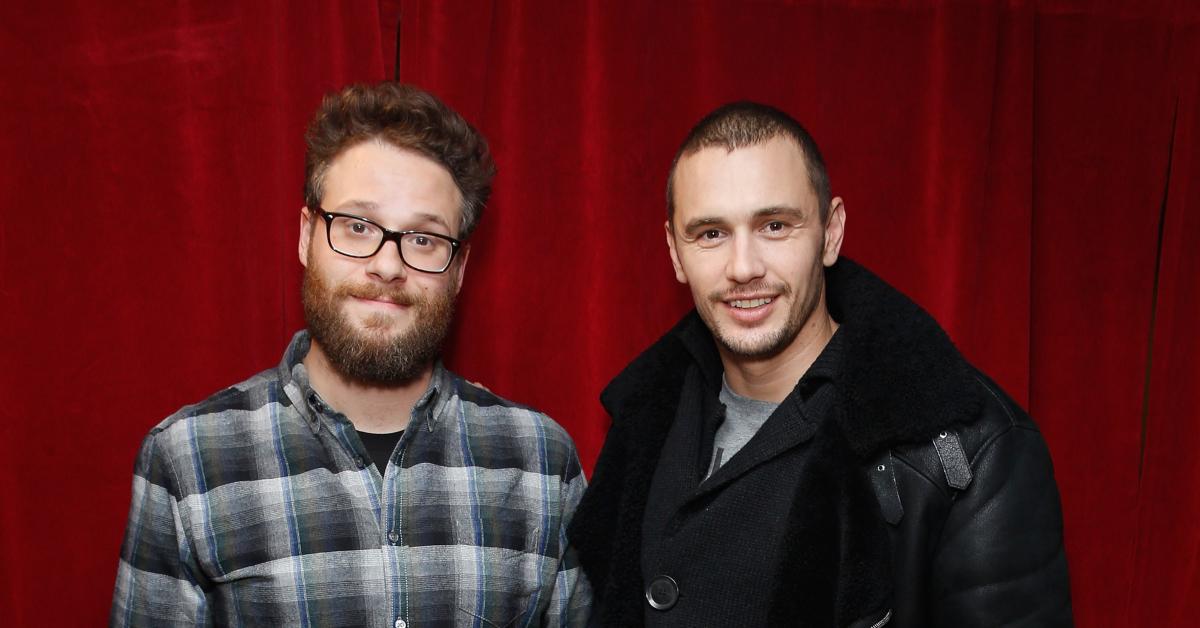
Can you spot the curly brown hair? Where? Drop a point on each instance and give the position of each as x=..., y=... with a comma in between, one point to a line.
x=408, y=118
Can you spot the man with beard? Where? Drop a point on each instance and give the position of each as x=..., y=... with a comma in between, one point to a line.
x=807, y=447
x=360, y=483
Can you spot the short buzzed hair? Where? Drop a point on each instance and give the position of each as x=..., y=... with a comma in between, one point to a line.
x=408, y=118
x=744, y=123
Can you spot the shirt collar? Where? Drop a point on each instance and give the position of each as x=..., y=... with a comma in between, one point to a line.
x=432, y=405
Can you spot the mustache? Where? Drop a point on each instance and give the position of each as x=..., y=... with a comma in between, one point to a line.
x=747, y=289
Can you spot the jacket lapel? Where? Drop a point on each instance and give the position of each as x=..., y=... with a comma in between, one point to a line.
x=788, y=427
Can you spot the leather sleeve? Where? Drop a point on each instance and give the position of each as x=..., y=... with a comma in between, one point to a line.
x=1000, y=558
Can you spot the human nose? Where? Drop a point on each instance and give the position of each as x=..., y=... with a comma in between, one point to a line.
x=387, y=263
x=745, y=263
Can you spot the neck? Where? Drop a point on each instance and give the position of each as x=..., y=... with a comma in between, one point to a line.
x=773, y=377
x=371, y=408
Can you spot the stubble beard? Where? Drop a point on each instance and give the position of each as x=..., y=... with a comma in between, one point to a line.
x=374, y=355
x=767, y=343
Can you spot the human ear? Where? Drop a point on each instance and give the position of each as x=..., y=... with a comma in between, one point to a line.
x=835, y=229
x=306, y=233
x=680, y=276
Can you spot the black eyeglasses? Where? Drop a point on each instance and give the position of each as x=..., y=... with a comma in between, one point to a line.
x=354, y=236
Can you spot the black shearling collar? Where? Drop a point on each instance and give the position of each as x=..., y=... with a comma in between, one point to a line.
x=900, y=377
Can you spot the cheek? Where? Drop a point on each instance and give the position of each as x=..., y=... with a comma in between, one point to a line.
x=333, y=268
x=797, y=259
x=703, y=267
x=431, y=284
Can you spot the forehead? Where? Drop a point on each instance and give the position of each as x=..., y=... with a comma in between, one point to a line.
x=391, y=182
x=721, y=183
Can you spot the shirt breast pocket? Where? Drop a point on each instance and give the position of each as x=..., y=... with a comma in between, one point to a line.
x=503, y=589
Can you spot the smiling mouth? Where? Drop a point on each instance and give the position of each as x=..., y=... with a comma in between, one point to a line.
x=745, y=304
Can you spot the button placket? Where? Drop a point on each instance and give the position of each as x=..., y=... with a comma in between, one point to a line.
x=392, y=521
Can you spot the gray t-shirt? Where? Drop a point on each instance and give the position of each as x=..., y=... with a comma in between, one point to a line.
x=743, y=417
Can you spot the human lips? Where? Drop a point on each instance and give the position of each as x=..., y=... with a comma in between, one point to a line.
x=742, y=304
x=384, y=302
x=381, y=298
x=749, y=309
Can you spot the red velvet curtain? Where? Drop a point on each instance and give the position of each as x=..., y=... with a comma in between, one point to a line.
x=1025, y=170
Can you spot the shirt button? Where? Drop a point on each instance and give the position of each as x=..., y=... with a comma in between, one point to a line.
x=393, y=537
x=400, y=623
x=359, y=462
x=662, y=593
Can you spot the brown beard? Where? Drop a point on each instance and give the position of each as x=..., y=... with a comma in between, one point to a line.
x=372, y=356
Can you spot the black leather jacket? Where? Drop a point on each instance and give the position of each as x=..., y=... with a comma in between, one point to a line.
x=938, y=501
x=975, y=523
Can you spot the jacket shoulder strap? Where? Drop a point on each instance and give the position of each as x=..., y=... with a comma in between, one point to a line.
x=951, y=458
x=883, y=480
x=954, y=460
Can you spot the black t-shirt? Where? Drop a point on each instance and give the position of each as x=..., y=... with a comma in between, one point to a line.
x=380, y=447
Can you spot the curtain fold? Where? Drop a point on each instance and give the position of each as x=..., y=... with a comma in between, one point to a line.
x=1167, y=544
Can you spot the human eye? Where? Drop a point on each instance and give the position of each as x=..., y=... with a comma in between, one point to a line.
x=418, y=241
x=708, y=238
x=358, y=228
x=777, y=228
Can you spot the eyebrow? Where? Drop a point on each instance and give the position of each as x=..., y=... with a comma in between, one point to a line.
x=370, y=207
x=696, y=223
x=782, y=210
x=434, y=218
x=776, y=210
x=355, y=205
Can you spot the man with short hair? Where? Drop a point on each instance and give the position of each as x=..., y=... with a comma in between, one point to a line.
x=807, y=448
x=360, y=483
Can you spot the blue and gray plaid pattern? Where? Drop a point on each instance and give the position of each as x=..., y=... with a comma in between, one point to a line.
x=260, y=506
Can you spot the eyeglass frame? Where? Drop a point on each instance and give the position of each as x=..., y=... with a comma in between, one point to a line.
x=388, y=236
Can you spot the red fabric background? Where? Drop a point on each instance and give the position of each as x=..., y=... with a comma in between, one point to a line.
x=1026, y=171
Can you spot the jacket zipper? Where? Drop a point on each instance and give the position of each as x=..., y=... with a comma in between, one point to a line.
x=886, y=619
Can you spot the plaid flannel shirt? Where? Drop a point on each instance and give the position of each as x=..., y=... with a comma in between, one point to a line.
x=260, y=506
